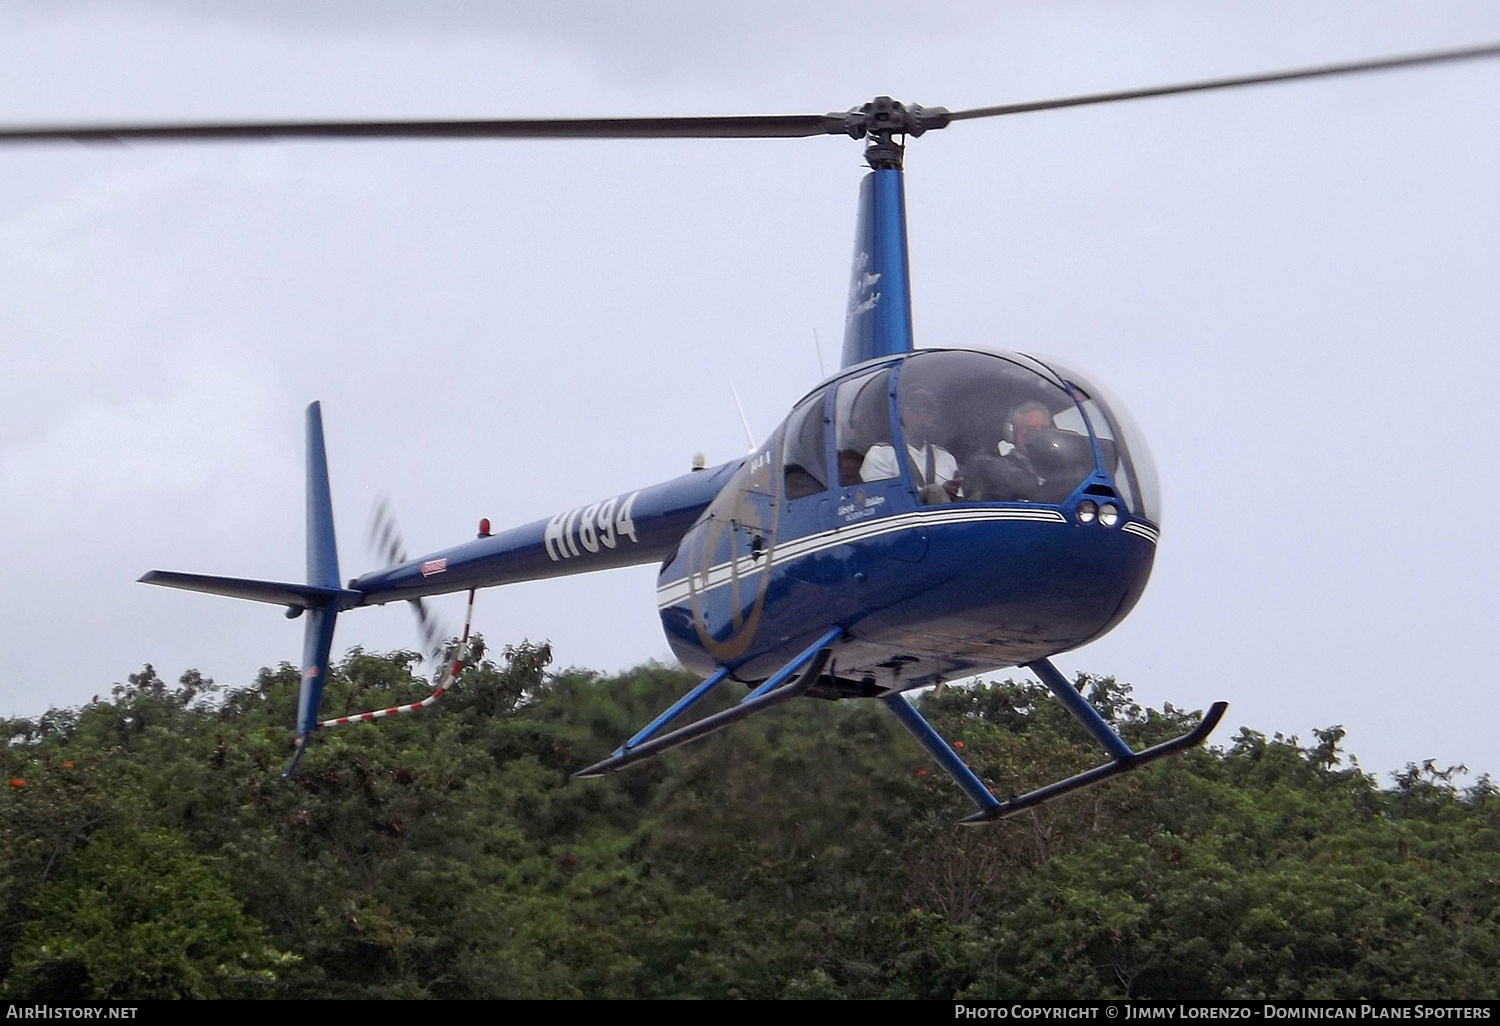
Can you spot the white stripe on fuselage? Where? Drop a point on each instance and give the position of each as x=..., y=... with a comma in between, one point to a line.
x=673, y=592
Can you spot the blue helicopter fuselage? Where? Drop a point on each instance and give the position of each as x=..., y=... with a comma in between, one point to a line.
x=991, y=553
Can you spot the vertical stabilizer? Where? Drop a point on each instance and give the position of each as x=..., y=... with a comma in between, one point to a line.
x=322, y=572
x=322, y=553
x=878, y=322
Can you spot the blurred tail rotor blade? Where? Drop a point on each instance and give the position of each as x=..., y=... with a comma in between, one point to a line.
x=383, y=536
x=386, y=542
x=433, y=633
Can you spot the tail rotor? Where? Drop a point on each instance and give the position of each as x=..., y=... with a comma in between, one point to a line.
x=385, y=541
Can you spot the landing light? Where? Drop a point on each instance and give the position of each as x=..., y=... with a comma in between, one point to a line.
x=1087, y=510
x=1109, y=516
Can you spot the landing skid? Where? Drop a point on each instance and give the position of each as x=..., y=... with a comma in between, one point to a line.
x=1098, y=774
x=1125, y=759
x=798, y=676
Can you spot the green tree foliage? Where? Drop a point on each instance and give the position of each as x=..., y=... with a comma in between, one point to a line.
x=148, y=847
x=140, y=915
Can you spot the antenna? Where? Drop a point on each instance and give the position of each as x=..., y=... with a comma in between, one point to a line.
x=741, y=407
x=818, y=347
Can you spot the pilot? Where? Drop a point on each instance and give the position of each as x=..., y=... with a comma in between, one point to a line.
x=934, y=470
x=1027, y=418
x=1008, y=474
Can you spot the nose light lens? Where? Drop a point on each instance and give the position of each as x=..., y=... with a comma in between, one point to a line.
x=1109, y=516
x=1087, y=510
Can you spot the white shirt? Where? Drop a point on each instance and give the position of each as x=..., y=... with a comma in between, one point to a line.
x=880, y=464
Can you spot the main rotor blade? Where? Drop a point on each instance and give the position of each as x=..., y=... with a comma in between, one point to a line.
x=1324, y=71
x=774, y=126
x=893, y=117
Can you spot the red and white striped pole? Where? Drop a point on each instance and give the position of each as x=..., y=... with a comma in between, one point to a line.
x=449, y=675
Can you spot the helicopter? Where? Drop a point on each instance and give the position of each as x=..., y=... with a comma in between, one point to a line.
x=752, y=558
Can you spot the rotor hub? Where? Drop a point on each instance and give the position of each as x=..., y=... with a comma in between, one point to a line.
x=883, y=119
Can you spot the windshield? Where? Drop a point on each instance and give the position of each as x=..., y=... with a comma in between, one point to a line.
x=981, y=428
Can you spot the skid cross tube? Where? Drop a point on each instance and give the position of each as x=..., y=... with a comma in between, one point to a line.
x=774, y=681
x=942, y=752
x=1082, y=711
x=810, y=662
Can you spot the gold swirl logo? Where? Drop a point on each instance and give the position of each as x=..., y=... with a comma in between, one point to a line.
x=737, y=517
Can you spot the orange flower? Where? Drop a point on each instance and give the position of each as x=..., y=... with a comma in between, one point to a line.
x=958, y=744
x=18, y=783
x=921, y=772
x=68, y=764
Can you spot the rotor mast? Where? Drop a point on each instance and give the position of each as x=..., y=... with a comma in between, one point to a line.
x=878, y=318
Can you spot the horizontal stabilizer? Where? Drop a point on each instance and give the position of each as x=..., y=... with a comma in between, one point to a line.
x=299, y=596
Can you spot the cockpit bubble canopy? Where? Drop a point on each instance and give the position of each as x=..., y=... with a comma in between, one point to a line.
x=982, y=427
x=959, y=425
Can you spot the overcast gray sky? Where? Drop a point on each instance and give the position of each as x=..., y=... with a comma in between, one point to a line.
x=1292, y=288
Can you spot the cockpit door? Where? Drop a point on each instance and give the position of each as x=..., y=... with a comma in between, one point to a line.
x=870, y=485
x=804, y=467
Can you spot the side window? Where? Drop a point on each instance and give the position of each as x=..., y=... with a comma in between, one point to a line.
x=803, y=459
x=862, y=429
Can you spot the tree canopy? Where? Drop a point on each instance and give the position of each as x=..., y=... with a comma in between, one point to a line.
x=149, y=848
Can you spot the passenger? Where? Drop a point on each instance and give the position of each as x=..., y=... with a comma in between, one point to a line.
x=934, y=470
x=851, y=464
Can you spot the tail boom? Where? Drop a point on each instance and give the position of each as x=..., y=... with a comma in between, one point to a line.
x=643, y=526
